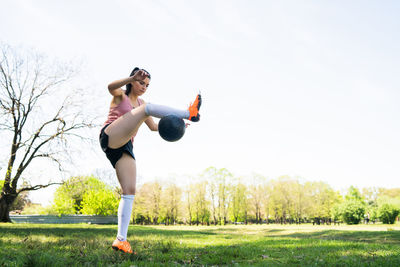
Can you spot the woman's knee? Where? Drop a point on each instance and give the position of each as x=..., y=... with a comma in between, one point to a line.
x=140, y=109
x=129, y=190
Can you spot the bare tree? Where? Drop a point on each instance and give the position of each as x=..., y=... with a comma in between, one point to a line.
x=256, y=196
x=200, y=204
x=213, y=195
x=172, y=198
x=188, y=200
x=27, y=81
x=238, y=200
x=219, y=184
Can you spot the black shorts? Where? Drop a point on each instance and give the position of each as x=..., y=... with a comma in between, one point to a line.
x=114, y=155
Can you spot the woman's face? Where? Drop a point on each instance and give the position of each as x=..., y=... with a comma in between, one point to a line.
x=139, y=87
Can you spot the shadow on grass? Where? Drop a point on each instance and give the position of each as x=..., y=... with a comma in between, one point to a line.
x=273, y=230
x=382, y=237
x=75, y=229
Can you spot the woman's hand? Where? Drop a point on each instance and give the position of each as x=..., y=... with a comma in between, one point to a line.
x=140, y=75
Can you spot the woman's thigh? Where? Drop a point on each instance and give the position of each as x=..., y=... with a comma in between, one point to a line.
x=126, y=173
x=122, y=129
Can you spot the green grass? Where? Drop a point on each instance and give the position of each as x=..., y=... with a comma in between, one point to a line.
x=266, y=245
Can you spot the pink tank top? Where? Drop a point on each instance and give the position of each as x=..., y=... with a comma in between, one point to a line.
x=119, y=110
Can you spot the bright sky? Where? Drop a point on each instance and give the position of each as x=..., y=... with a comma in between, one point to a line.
x=308, y=89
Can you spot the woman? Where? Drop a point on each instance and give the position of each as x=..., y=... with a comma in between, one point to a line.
x=127, y=112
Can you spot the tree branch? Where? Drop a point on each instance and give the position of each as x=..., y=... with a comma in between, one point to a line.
x=50, y=156
x=36, y=187
x=61, y=131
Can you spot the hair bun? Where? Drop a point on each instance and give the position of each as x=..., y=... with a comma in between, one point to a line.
x=136, y=69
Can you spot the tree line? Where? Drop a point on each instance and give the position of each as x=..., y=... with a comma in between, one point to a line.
x=218, y=197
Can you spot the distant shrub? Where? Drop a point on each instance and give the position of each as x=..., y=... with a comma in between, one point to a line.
x=352, y=211
x=335, y=212
x=387, y=213
x=100, y=202
x=84, y=194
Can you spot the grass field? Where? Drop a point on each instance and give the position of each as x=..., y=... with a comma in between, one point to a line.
x=253, y=245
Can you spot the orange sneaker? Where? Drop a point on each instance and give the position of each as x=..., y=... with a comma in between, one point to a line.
x=122, y=245
x=194, y=109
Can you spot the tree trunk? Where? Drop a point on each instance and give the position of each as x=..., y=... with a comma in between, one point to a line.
x=5, y=203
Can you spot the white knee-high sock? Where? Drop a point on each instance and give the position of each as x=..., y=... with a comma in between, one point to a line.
x=124, y=215
x=160, y=111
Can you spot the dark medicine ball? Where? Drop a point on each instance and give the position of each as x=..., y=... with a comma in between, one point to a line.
x=171, y=128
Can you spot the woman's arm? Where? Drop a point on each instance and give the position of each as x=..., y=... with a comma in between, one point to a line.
x=115, y=87
x=151, y=124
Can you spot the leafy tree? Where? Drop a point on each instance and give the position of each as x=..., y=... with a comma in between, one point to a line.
x=148, y=203
x=103, y=201
x=212, y=192
x=373, y=212
x=238, y=200
x=219, y=180
x=389, y=192
x=140, y=211
x=354, y=194
x=155, y=201
x=281, y=198
x=352, y=209
x=64, y=204
x=370, y=195
x=69, y=196
x=26, y=80
x=201, y=213
x=189, y=203
x=388, y=213
x=267, y=203
x=256, y=196
x=388, y=209
x=170, y=206
x=336, y=213
x=300, y=196
x=322, y=200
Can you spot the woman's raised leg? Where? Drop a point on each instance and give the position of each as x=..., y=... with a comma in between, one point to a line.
x=122, y=129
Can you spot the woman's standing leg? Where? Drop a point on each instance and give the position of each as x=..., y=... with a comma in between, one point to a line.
x=126, y=173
